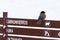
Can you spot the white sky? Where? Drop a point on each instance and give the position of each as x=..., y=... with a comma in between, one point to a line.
x=31, y=9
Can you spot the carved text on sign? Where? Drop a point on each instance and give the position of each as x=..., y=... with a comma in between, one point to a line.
x=9, y=30
x=59, y=34
x=24, y=22
x=47, y=23
x=10, y=38
x=47, y=33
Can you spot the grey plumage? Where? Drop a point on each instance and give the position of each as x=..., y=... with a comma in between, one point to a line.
x=42, y=16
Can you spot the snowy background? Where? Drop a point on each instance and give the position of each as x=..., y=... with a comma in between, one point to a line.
x=30, y=9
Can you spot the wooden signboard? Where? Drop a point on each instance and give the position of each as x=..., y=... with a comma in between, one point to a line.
x=30, y=22
x=48, y=28
x=34, y=32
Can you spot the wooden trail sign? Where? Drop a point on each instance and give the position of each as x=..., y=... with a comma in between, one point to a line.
x=48, y=28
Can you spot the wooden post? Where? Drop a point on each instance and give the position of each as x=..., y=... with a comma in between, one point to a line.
x=5, y=24
x=4, y=19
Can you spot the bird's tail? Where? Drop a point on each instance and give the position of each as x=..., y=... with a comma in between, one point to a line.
x=39, y=22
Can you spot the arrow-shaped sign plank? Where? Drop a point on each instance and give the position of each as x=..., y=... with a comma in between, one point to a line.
x=34, y=32
x=31, y=22
x=23, y=31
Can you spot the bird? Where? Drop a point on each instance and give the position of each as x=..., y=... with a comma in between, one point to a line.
x=41, y=17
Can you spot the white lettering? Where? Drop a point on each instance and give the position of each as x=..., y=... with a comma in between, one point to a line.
x=47, y=23
x=59, y=34
x=47, y=33
x=24, y=22
x=9, y=30
x=14, y=38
